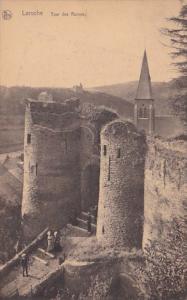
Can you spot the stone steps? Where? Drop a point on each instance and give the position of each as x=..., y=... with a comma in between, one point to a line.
x=22, y=285
x=83, y=224
x=76, y=231
x=84, y=216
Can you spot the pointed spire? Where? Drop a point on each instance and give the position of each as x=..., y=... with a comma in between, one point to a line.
x=144, y=90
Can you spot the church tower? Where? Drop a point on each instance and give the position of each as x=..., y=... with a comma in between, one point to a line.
x=144, y=115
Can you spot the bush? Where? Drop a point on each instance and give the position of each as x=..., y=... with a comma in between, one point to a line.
x=100, y=288
x=163, y=275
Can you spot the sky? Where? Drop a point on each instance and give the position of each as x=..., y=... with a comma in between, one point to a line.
x=102, y=46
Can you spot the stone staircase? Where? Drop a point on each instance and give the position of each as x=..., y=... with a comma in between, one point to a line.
x=42, y=266
x=80, y=228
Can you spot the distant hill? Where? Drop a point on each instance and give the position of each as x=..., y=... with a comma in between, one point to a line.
x=162, y=93
x=119, y=97
x=12, y=109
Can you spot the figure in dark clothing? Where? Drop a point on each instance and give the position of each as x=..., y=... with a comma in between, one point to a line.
x=89, y=221
x=57, y=246
x=25, y=264
x=73, y=219
x=95, y=213
x=61, y=259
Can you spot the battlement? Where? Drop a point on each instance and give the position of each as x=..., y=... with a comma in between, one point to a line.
x=119, y=128
x=53, y=115
x=69, y=105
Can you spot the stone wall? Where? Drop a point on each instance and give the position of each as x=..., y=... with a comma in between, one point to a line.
x=92, y=120
x=165, y=186
x=61, y=163
x=121, y=195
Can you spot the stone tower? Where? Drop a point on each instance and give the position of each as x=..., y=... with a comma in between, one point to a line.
x=121, y=195
x=51, y=189
x=144, y=116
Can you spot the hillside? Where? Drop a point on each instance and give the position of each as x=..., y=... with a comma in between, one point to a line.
x=12, y=110
x=162, y=93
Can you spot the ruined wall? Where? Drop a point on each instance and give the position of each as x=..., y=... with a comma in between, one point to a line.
x=51, y=191
x=165, y=186
x=92, y=120
x=61, y=164
x=121, y=195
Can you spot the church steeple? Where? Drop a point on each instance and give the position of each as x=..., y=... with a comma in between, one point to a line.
x=144, y=105
x=144, y=90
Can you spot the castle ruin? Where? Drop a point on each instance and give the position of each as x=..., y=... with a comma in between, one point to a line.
x=66, y=151
x=61, y=162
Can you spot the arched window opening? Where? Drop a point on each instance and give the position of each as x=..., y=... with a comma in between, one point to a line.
x=140, y=113
x=103, y=229
x=145, y=113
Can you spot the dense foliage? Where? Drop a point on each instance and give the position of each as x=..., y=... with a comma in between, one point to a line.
x=178, y=41
x=163, y=275
x=10, y=217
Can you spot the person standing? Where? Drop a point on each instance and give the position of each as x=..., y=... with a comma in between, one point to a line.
x=95, y=213
x=89, y=221
x=50, y=241
x=57, y=246
x=24, y=264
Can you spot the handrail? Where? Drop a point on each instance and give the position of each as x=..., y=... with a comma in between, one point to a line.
x=7, y=266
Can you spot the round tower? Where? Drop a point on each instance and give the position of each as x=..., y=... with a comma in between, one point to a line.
x=30, y=205
x=51, y=187
x=121, y=196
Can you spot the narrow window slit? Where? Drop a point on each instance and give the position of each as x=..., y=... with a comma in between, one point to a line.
x=28, y=138
x=119, y=153
x=109, y=169
x=104, y=150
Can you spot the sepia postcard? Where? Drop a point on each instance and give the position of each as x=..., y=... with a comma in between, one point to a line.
x=93, y=149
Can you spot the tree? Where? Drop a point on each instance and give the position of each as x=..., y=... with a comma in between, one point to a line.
x=178, y=43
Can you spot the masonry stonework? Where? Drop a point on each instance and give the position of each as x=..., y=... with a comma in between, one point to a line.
x=61, y=162
x=165, y=187
x=121, y=197
x=51, y=165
